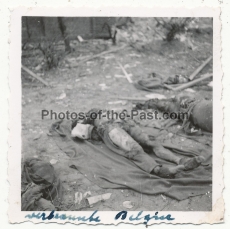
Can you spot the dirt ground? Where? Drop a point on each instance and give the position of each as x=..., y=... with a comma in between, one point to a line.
x=78, y=89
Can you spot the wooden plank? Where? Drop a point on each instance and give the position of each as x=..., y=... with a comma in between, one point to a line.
x=34, y=75
x=132, y=98
x=97, y=55
x=194, y=82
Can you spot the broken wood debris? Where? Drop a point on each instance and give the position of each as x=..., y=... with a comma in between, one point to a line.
x=155, y=96
x=97, y=55
x=124, y=71
x=132, y=98
x=168, y=87
x=193, y=75
x=194, y=82
x=34, y=75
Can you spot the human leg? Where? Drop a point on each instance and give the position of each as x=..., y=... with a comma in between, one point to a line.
x=140, y=136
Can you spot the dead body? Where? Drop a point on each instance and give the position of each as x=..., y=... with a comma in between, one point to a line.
x=199, y=111
x=126, y=138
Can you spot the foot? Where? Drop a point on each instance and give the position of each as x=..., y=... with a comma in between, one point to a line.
x=168, y=171
x=191, y=163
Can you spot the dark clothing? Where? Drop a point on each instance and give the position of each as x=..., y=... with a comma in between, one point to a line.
x=40, y=185
x=131, y=150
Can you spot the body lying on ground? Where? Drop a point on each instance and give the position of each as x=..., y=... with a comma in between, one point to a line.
x=126, y=138
x=41, y=188
x=200, y=112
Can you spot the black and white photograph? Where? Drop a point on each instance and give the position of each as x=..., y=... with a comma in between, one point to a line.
x=117, y=113
x=115, y=116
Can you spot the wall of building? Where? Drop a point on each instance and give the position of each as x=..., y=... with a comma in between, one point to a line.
x=38, y=28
